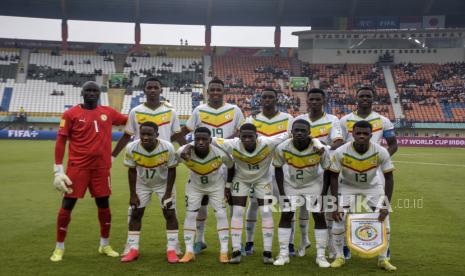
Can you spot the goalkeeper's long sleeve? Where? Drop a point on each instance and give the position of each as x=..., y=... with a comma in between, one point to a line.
x=60, y=147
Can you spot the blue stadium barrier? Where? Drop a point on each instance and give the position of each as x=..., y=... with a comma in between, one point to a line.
x=39, y=135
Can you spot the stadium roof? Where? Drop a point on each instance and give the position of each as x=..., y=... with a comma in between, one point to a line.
x=316, y=13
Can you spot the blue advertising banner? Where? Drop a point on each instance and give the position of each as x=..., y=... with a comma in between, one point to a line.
x=39, y=134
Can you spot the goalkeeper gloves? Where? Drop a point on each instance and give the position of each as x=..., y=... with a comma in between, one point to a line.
x=61, y=181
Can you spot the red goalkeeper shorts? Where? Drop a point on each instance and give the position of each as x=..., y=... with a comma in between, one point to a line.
x=97, y=180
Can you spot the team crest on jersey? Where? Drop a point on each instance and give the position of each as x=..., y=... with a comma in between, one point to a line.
x=215, y=165
x=376, y=124
x=227, y=116
x=103, y=117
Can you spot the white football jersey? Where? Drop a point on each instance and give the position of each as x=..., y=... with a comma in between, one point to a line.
x=327, y=129
x=206, y=173
x=152, y=167
x=304, y=168
x=252, y=167
x=267, y=127
x=359, y=170
x=222, y=122
x=382, y=126
x=165, y=117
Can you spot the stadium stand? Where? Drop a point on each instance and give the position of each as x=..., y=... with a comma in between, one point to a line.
x=341, y=81
x=175, y=72
x=181, y=101
x=86, y=62
x=9, y=59
x=60, y=76
x=249, y=75
x=432, y=92
x=38, y=96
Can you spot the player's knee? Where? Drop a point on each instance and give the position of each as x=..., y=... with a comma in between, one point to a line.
x=170, y=214
x=68, y=203
x=102, y=202
x=338, y=226
x=286, y=219
x=220, y=213
x=320, y=221
x=136, y=215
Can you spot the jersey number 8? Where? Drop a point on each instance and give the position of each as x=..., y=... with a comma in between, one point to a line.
x=204, y=179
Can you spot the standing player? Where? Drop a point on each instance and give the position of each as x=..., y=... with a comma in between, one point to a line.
x=223, y=120
x=327, y=129
x=382, y=127
x=88, y=128
x=304, y=179
x=152, y=169
x=269, y=123
x=354, y=168
x=205, y=179
x=153, y=110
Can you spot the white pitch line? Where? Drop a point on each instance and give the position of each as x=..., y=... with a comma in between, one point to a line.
x=434, y=164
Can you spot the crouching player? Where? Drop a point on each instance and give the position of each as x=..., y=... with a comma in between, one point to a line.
x=205, y=179
x=152, y=169
x=353, y=173
x=304, y=179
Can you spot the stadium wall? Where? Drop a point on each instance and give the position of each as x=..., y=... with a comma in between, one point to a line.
x=339, y=56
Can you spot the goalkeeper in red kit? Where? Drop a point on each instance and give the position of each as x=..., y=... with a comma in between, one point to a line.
x=88, y=128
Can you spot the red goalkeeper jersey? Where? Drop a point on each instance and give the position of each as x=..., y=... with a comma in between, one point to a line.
x=89, y=135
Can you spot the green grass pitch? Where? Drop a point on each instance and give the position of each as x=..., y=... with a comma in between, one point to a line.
x=427, y=237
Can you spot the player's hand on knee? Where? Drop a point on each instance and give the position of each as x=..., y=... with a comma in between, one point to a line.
x=61, y=180
x=134, y=201
x=167, y=201
x=383, y=213
x=186, y=152
x=337, y=216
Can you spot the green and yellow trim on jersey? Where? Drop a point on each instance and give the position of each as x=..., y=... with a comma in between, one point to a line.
x=205, y=167
x=217, y=119
x=301, y=161
x=150, y=160
x=320, y=130
x=360, y=164
x=253, y=159
x=161, y=118
x=271, y=128
x=375, y=123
